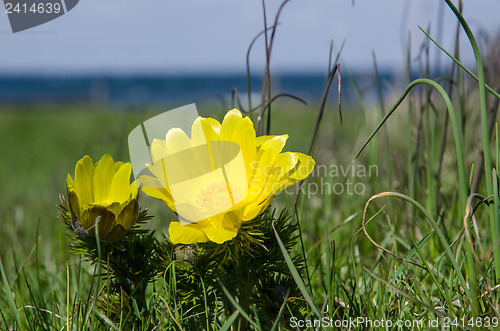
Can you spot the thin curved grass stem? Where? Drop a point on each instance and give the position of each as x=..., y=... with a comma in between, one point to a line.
x=455, y=127
x=434, y=225
x=489, y=88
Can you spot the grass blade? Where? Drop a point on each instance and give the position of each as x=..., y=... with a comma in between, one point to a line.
x=433, y=223
x=8, y=293
x=230, y=321
x=296, y=276
x=402, y=293
x=237, y=306
x=456, y=133
x=280, y=313
x=494, y=215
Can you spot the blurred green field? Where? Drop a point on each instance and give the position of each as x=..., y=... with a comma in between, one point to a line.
x=40, y=147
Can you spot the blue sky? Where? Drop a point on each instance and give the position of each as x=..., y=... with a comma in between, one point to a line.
x=201, y=35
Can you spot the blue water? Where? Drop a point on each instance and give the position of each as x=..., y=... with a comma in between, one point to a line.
x=126, y=90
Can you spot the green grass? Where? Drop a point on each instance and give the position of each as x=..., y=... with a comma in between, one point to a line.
x=414, y=243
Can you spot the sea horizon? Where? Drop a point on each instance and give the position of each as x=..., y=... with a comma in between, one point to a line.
x=164, y=88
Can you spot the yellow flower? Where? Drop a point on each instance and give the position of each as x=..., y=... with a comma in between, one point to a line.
x=102, y=194
x=220, y=177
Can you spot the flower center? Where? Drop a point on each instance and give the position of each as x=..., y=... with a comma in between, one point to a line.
x=218, y=194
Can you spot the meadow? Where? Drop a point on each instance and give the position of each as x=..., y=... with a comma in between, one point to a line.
x=396, y=228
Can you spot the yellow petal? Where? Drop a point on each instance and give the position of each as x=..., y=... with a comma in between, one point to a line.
x=69, y=182
x=119, y=190
x=118, y=165
x=304, y=168
x=253, y=210
x=275, y=144
x=84, y=173
x=204, y=130
x=74, y=204
x=260, y=140
x=128, y=215
x=229, y=124
x=114, y=207
x=176, y=141
x=100, y=214
x=186, y=234
x=150, y=182
x=267, y=155
x=152, y=187
x=284, y=163
x=188, y=164
x=227, y=230
x=117, y=233
x=244, y=136
x=133, y=191
x=103, y=176
x=158, y=150
x=159, y=171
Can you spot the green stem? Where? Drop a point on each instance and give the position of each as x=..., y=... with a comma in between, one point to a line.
x=441, y=237
x=245, y=291
x=463, y=185
x=494, y=215
x=456, y=133
x=139, y=295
